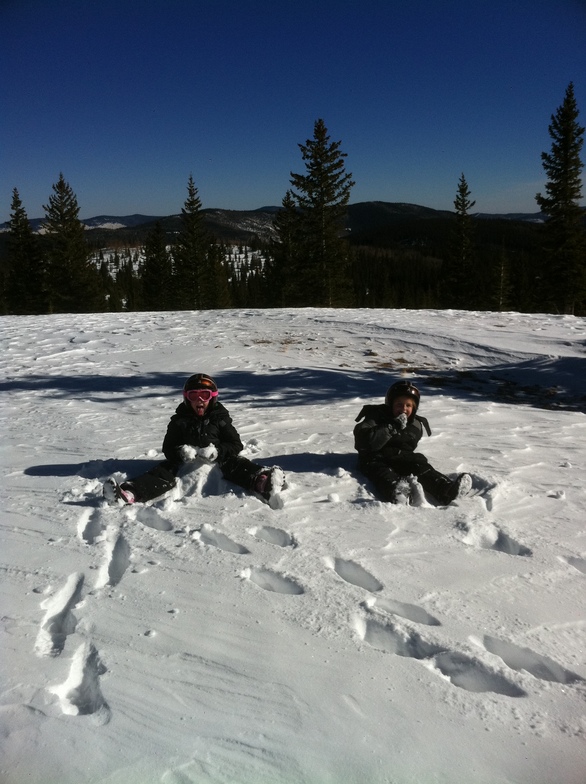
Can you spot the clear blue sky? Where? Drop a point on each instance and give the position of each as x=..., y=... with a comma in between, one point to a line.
x=129, y=97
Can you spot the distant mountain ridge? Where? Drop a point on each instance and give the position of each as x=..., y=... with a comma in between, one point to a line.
x=236, y=224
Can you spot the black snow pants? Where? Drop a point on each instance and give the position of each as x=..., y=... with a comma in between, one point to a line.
x=162, y=477
x=386, y=472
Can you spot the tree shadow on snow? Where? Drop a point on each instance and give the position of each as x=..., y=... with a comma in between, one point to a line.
x=543, y=382
x=553, y=383
x=91, y=469
x=282, y=387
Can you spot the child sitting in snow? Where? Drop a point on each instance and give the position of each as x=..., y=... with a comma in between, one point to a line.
x=201, y=428
x=386, y=438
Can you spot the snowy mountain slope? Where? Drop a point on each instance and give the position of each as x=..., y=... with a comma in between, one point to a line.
x=208, y=638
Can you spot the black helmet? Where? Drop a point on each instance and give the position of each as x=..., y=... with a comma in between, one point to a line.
x=201, y=381
x=400, y=388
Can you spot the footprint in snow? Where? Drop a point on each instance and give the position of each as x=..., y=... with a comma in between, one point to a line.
x=207, y=535
x=116, y=563
x=577, y=563
x=487, y=536
x=274, y=536
x=519, y=659
x=273, y=581
x=152, y=519
x=59, y=621
x=484, y=489
x=80, y=694
x=462, y=671
x=470, y=674
x=409, y=611
x=355, y=574
x=91, y=526
x=119, y=560
x=560, y=495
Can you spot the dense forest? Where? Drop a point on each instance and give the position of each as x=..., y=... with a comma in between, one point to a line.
x=316, y=249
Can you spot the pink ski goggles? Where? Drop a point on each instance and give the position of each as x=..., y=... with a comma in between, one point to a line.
x=193, y=395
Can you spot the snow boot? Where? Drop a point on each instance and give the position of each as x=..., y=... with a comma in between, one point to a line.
x=463, y=485
x=268, y=484
x=442, y=488
x=402, y=493
x=417, y=496
x=116, y=494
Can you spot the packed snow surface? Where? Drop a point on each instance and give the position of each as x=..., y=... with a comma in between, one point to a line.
x=206, y=638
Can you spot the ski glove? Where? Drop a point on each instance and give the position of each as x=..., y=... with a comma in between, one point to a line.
x=397, y=425
x=401, y=421
x=207, y=453
x=187, y=453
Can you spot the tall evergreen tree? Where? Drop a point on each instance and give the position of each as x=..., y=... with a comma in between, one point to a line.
x=283, y=281
x=564, y=272
x=25, y=280
x=199, y=278
x=156, y=273
x=500, y=283
x=190, y=253
x=111, y=288
x=458, y=273
x=322, y=263
x=215, y=289
x=73, y=281
x=128, y=283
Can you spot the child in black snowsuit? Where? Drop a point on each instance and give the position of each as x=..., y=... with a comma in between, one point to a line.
x=386, y=438
x=201, y=428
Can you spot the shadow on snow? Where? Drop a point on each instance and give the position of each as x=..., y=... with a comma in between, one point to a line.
x=550, y=383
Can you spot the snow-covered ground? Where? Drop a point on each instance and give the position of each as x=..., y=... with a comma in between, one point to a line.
x=206, y=638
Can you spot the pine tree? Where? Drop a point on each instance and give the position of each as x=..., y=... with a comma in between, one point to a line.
x=73, y=281
x=283, y=282
x=500, y=288
x=129, y=286
x=458, y=273
x=199, y=277
x=564, y=272
x=216, y=288
x=189, y=253
x=322, y=256
x=156, y=273
x=25, y=281
x=111, y=289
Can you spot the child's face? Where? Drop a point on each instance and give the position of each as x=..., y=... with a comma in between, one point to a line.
x=403, y=405
x=199, y=406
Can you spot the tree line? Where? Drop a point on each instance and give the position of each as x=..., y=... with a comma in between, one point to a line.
x=460, y=262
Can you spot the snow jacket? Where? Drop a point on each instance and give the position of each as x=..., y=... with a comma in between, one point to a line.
x=215, y=427
x=380, y=435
